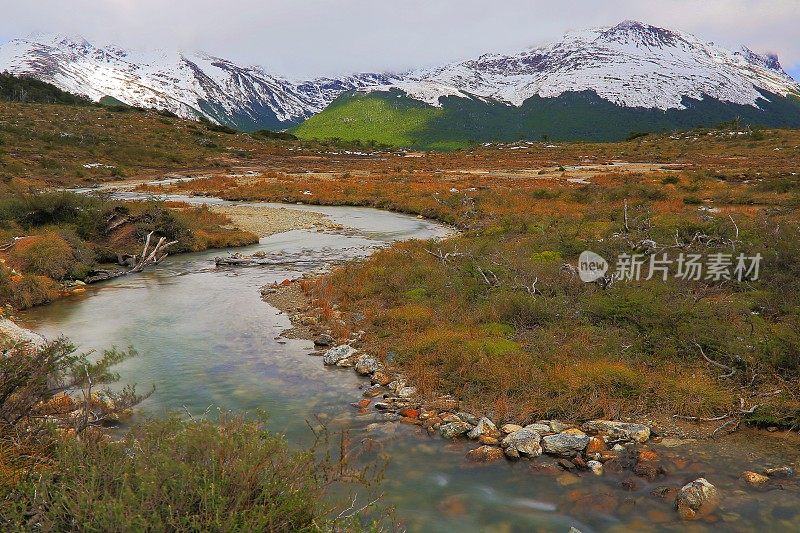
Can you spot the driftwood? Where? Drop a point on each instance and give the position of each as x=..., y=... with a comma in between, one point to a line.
x=136, y=263
x=238, y=260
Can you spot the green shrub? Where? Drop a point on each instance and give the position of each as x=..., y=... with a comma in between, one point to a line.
x=177, y=475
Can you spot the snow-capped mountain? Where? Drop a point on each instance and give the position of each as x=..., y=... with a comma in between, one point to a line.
x=630, y=64
x=187, y=83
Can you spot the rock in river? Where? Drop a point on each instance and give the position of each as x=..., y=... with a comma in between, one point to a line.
x=524, y=442
x=565, y=444
x=454, y=429
x=366, y=365
x=485, y=454
x=618, y=430
x=484, y=428
x=323, y=340
x=339, y=353
x=697, y=499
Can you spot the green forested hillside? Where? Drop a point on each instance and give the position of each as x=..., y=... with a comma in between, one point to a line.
x=393, y=118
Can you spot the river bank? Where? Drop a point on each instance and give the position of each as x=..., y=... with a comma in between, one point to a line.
x=630, y=453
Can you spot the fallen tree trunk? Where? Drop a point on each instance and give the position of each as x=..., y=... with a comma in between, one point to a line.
x=148, y=257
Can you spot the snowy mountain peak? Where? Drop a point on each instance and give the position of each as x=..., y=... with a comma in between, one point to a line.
x=189, y=83
x=631, y=64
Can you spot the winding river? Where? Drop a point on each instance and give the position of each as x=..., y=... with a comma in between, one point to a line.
x=208, y=341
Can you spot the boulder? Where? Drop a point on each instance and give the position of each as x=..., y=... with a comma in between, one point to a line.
x=366, y=365
x=564, y=444
x=618, y=430
x=484, y=428
x=337, y=354
x=454, y=429
x=524, y=442
x=697, y=499
x=485, y=454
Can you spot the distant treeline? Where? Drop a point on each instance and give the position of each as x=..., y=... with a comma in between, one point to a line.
x=26, y=89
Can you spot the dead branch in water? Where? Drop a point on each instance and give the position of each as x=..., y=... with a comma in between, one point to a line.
x=152, y=257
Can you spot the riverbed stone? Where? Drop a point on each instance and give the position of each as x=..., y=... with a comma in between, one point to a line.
x=754, y=478
x=381, y=378
x=596, y=467
x=564, y=444
x=541, y=429
x=524, y=442
x=483, y=427
x=454, y=429
x=406, y=392
x=617, y=430
x=485, y=454
x=373, y=391
x=338, y=353
x=697, y=499
x=510, y=428
x=366, y=365
x=558, y=426
x=468, y=417
x=323, y=340
x=781, y=471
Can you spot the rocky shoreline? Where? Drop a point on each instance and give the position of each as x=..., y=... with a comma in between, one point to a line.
x=596, y=447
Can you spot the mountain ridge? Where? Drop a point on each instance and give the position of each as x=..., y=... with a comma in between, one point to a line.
x=631, y=65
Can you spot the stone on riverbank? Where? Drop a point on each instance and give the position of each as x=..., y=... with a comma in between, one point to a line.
x=524, y=442
x=618, y=430
x=596, y=467
x=565, y=444
x=454, y=429
x=697, y=499
x=337, y=354
x=323, y=340
x=366, y=365
x=510, y=428
x=541, y=429
x=484, y=428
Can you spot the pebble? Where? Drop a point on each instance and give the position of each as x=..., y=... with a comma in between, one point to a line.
x=467, y=417
x=510, y=428
x=781, y=471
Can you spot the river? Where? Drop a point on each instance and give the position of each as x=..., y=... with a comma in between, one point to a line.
x=207, y=341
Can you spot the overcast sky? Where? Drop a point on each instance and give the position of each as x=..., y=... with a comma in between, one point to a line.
x=304, y=38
